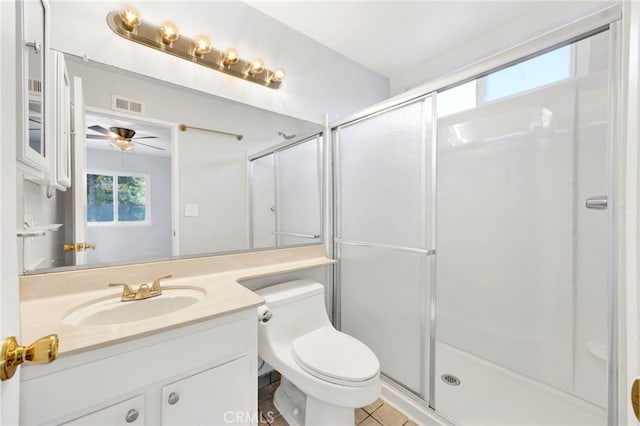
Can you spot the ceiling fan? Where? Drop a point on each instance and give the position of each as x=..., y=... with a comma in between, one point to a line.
x=120, y=137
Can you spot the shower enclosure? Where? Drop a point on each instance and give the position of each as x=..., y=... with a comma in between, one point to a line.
x=286, y=194
x=472, y=235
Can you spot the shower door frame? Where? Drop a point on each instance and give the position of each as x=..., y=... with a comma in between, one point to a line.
x=621, y=315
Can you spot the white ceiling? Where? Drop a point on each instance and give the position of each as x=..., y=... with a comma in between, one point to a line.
x=389, y=37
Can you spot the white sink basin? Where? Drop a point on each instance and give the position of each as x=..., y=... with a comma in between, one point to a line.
x=110, y=310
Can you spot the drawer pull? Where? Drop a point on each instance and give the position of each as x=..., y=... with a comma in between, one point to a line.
x=132, y=416
x=173, y=398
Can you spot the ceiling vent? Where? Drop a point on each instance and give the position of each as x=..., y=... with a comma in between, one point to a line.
x=119, y=103
x=35, y=86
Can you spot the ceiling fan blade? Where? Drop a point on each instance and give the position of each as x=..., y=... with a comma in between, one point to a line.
x=101, y=137
x=104, y=131
x=150, y=146
x=145, y=137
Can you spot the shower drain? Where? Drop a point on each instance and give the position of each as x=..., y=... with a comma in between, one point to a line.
x=450, y=379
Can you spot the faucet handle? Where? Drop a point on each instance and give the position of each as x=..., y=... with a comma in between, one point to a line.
x=126, y=289
x=156, y=283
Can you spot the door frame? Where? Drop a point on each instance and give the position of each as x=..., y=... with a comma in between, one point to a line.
x=9, y=298
x=628, y=244
x=175, y=199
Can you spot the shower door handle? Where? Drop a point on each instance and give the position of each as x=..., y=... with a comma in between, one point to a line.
x=597, y=203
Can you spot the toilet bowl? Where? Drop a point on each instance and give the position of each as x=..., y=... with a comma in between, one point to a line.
x=325, y=373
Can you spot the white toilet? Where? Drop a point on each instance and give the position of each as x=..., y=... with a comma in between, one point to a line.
x=325, y=373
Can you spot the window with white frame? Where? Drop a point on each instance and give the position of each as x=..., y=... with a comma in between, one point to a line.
x=539, y=71
x=117, y=198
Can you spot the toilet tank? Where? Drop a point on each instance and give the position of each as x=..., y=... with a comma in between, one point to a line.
x=297, y=308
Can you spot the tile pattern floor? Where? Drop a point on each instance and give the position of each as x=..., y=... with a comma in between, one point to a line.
x=379, y=413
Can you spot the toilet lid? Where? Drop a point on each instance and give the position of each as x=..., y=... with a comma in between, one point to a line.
x=335, y=357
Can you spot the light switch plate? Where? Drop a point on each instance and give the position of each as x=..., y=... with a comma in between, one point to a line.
x=191, y=210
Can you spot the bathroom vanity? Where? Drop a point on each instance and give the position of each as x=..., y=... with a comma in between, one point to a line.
x=194, y=365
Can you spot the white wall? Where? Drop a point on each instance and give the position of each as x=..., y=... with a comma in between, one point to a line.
x=318, y=79
x=172, y=103
x=213, y=176
x=546, y=17
x=133, y=242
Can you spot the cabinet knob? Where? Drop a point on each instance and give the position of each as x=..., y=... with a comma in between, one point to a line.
x=132, y=416
x=173, y=398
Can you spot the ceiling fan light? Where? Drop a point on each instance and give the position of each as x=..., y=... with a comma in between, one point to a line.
x=122, y=145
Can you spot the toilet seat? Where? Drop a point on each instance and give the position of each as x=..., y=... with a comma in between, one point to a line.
x=335, y=357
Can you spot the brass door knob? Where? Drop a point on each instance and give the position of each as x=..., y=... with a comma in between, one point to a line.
x=78, y=247
x=635, y=398
x=42, y=351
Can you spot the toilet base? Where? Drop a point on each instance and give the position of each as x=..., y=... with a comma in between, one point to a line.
x=290, y=402
x=299, y=409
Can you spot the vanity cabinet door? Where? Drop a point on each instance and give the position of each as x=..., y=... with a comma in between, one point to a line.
x=216, y=396
x=129, y=412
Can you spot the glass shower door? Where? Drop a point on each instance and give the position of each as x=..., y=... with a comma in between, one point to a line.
x=383, y=241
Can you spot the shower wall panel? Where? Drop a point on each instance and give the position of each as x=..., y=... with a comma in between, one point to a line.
x=505, y=212
x=521, y=262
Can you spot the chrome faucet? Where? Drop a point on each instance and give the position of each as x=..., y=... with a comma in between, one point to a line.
x=143, y=291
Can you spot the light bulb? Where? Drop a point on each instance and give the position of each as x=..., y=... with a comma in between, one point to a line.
x=256, y=67
x=168, y=32
x=130, y=17
x=202, y=45
x=231, y=57
x=122, y=145
x=278, y=75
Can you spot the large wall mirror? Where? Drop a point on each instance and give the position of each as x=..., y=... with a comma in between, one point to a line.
x=152, y=191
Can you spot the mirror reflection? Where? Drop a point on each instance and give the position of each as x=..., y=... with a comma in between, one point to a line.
x=150, y=190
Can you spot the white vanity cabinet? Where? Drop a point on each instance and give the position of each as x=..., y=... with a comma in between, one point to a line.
x=203, y=373
x=129, y=412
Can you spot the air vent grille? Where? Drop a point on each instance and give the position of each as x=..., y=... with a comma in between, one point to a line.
x=35, y=86
x=120, y=103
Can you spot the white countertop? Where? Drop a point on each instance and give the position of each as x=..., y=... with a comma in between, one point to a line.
x=46, y=299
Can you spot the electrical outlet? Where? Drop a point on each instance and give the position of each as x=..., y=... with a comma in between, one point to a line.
x=191, y=210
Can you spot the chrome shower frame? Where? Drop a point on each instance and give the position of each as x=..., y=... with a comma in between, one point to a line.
x=608, y=19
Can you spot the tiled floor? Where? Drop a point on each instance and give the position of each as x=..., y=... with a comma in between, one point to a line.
x=379, y=413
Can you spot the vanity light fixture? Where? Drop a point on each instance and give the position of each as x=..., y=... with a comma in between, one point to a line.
x=202, y=45
x=166, y=38
x=169, y=32
x=277, y=75
x=130, y=17
x=256, y=67
x=231, y=57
